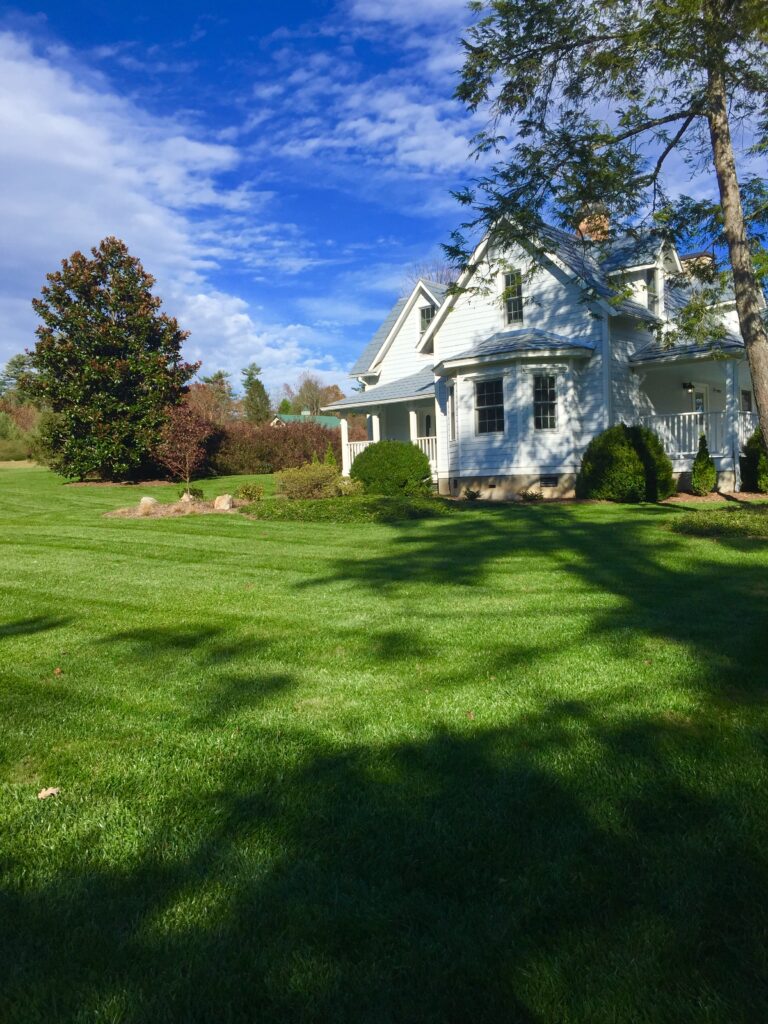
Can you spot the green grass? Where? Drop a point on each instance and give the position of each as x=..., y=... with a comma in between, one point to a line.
x=504, y=766
x=745, y=522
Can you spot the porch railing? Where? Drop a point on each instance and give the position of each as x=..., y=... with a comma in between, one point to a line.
x=355, y=447
x=747, y=426
x=679, y=432
x=427, y=444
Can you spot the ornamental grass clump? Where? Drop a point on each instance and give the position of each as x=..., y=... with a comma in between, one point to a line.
x=394, y=468
x=704, y=474
x=625, y=464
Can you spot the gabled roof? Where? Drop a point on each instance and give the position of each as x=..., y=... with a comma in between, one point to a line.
x=417, y=385
x=639, y=249
x=658, y=352
x=436, y=292
x=577, y=256
x=521, y=341
x=366, y=357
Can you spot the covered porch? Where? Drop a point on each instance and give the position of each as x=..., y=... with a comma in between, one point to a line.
x=401, y=410
x=682, y=398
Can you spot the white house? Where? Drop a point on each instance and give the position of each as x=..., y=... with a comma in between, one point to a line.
x=503, y=387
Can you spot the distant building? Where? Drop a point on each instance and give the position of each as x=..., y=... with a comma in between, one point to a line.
x=329, y=422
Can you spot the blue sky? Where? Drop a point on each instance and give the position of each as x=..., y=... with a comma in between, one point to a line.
x=276, y=166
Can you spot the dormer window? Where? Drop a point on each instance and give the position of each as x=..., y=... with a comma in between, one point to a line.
x=652, y=291
x=427, y=316
x=513, y=293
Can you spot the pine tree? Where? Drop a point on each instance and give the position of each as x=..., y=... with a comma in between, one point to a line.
x=107, y=363
x=256, y=404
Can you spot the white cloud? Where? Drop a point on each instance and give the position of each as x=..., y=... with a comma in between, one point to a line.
x=79, y=162
x=408, y=13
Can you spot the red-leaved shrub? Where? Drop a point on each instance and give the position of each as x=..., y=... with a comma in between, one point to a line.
x=247, y=448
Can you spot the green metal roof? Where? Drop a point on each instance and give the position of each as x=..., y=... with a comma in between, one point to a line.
x=332, y=422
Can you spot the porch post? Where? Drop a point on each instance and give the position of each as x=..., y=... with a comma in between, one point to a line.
x=375, y=426
x=732, y=418
x=413, y=425
x=346, y=462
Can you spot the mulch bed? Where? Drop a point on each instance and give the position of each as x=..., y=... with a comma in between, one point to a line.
x=739, y=497
x=175, y=510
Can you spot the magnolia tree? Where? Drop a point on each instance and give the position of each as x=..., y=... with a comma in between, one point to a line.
x=588, y=102
x=182, y=444
x=107, y=364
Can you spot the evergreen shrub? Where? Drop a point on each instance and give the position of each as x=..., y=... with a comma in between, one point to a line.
x=625, y=464
x=394, y=468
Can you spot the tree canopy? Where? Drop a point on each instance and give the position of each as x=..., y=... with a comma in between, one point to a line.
x=596, y=110
x=107, y=363
x=311, y=394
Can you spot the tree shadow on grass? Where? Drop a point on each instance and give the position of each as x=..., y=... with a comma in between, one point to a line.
x=510, y=875
x=34, y=624
x=653, y=587
x=211, y=654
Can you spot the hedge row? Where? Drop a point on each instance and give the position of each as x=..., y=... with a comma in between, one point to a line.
x=246, y=448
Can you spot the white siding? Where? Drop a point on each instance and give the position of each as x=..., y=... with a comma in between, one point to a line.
x=402, y=358
x=626, y=338
x=553, y=302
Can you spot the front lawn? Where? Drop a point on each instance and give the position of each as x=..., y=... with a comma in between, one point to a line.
x=503, y=766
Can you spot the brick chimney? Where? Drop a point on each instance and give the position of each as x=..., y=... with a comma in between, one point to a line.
x=693, y=261
x=594, y=225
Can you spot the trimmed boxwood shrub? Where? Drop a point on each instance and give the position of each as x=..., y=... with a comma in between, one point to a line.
x=754, y=465
x=704, y=474
x=625, y=464
x=393, y=467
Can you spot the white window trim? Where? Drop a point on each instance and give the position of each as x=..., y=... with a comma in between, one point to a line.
x=479, y=379
x=505, y=324
x=433, y=307
x=559, y=372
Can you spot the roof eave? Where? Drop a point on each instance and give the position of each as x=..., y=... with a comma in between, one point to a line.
x=566, y=352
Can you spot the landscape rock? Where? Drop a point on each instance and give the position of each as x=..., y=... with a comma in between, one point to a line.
x=187, y=497
x=224, y=501
x=147, y=505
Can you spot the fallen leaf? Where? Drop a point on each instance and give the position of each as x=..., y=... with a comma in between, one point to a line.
x=471, y=714
x=45, y=793
x=57, y=671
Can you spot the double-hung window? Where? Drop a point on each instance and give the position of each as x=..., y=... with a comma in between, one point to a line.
x=545, y=401
x=489, y=406
x=427, y=316
x=513, y=292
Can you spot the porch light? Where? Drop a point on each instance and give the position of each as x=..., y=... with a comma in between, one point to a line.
x=687, y=386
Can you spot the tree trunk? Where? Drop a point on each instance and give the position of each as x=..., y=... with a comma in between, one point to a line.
x=749, y=298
